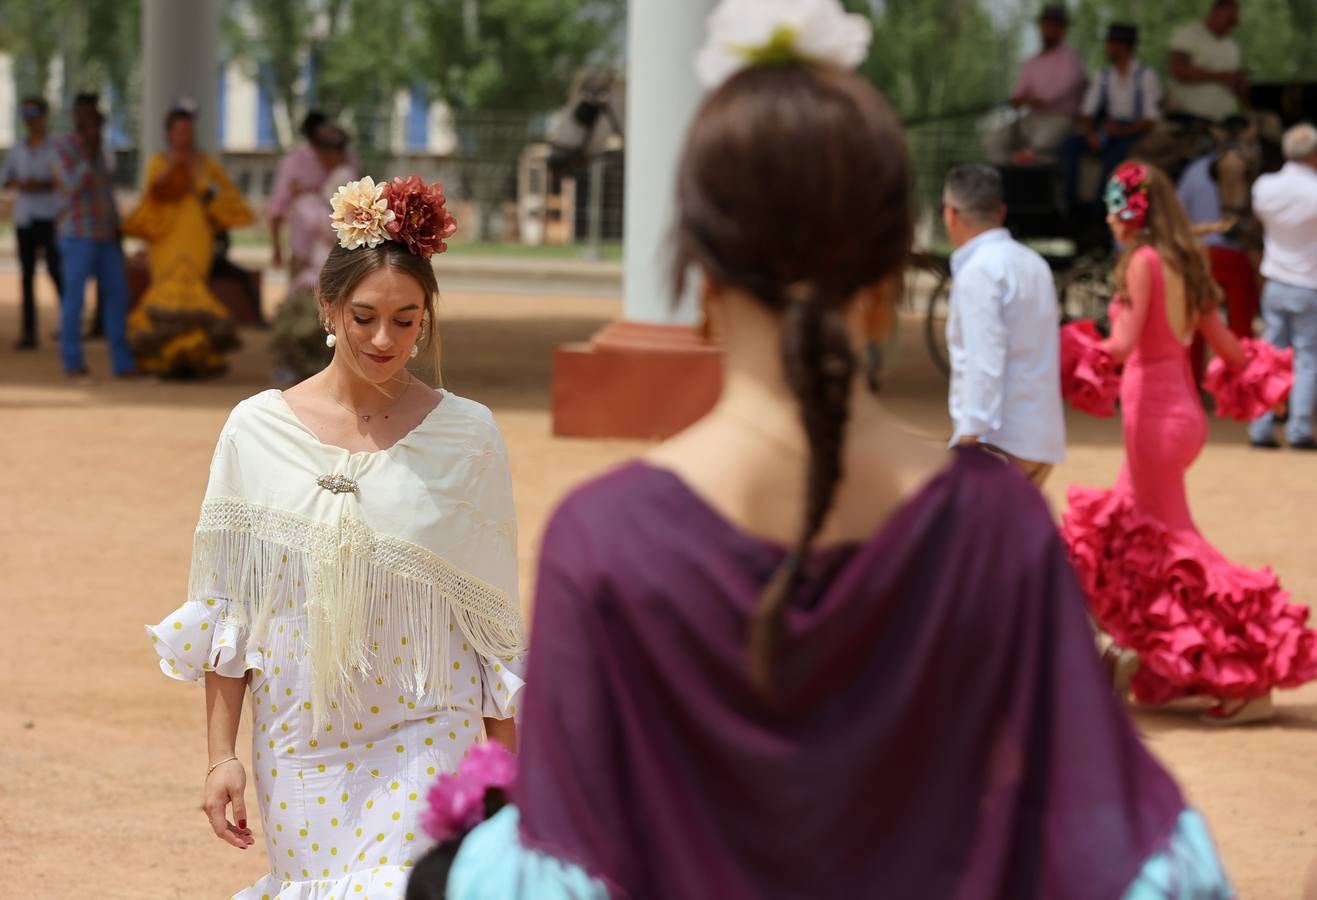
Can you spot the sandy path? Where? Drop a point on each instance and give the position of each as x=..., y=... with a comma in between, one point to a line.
x=101, y=757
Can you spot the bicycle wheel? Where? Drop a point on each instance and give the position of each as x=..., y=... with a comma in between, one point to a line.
x=935, y=321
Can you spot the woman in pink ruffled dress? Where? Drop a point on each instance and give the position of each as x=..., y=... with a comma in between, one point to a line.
x=1184, y=619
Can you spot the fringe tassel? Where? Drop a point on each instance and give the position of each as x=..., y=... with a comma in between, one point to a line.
x=375, y=606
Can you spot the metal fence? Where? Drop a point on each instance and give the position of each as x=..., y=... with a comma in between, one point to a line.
x=496, y=170
x=936, y=144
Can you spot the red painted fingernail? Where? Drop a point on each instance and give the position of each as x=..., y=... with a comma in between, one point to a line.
x=242, y=823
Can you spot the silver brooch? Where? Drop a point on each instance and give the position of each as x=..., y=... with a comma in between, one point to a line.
x=337, y=484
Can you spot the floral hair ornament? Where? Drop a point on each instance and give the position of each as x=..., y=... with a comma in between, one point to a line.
x=458, y=799
x=1127, y=194
x=744, y=33
x=406, y=210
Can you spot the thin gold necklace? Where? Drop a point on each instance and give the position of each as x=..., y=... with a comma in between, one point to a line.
x=367, y=418
x=781, y=441
x=853, y=425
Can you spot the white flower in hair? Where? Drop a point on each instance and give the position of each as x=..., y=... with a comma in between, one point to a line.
x=745, y=33
x=361, y=213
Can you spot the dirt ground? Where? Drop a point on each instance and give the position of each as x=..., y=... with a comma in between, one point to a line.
x=102, y=758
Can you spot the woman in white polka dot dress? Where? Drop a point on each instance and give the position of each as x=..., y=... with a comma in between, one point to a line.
x=354, y=570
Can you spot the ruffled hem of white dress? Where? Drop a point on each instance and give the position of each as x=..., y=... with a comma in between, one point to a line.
x=200, y=637
x=379, y=883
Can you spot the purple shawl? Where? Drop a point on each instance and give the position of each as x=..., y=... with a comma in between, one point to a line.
x=943, y=726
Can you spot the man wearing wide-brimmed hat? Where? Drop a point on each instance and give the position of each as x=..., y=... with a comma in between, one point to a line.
x=1048, y=90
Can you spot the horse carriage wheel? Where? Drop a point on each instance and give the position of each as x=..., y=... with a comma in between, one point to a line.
x=1084, y=288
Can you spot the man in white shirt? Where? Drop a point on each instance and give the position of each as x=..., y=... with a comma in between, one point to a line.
x=29, y=169
x=1122, y=104
x=1001, y=332
x=1286, y=205
x=1049, y=89
x=1205, y=78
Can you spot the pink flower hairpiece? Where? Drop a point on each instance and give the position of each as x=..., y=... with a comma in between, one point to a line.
x=457, y=800
x=406, y=210
x=1127, y=193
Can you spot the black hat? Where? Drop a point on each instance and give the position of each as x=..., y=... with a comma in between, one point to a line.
x=328, y=136
x=1055, y=12
x=1123, y=33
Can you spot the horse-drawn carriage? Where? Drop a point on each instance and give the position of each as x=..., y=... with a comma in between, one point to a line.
x=1076, y=243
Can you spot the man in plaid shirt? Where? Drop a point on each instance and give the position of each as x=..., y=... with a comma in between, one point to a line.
x=88, y=229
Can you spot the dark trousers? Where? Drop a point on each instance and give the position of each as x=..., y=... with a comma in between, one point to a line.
x=37, y=236
x=1115, y=150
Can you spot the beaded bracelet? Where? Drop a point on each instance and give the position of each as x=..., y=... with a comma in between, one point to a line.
x=218, y=764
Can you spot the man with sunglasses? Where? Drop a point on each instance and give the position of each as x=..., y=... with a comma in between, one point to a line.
x=28, y=170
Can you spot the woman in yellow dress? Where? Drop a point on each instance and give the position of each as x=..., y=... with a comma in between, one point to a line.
x=180, y=329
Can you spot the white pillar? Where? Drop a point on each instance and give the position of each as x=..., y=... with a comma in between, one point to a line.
x=662, y=95
x=180, y=58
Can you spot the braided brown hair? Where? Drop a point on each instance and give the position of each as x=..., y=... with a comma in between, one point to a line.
x=795, y=187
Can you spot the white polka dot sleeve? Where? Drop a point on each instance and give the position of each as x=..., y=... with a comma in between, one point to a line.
x=501, y=682
x=200, y=637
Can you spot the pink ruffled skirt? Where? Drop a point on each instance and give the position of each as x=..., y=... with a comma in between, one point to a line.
x=1201, y=625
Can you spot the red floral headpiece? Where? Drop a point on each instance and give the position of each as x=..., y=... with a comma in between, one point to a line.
x=1127, y=194
x=406, y=210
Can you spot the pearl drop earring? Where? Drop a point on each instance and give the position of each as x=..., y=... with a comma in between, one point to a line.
x=330, y=340
x=415, y=350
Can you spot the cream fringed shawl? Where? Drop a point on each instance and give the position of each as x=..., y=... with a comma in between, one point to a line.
x=403, y=538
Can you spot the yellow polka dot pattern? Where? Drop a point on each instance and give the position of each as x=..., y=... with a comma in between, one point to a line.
x=340, y=816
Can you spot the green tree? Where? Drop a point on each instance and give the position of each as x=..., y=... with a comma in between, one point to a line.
x=96, y=42
x=365, y=60
x=104, y=40
x=32, y=35
x=512, y=54
x=939, y=57
x=501, y=65
x=270, y=37
x=1275, y=36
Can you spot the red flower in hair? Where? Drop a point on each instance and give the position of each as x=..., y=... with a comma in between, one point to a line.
x=419, y=218
x=1137, y=207
x=1132, y=176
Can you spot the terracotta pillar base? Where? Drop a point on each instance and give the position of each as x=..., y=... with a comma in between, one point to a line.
x=635, y=380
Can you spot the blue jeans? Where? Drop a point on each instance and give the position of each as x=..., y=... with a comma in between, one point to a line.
x=81, y=258
x=1290, y=315
x=1115, y=150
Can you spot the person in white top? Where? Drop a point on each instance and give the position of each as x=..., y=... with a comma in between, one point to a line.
x=1286, y=205
x=354, y=571
x=1049, y=89
x=1206, y=79
x=28, y=169
x=1002, y=331
x=1122, y=104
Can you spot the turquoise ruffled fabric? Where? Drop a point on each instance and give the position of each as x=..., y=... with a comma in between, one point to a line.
x=1188, y=869
x=494, y=865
